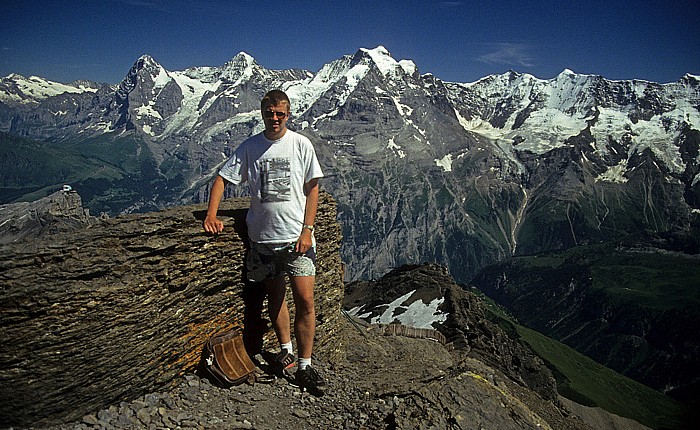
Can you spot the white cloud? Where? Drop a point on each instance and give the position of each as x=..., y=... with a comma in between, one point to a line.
x=512, y=54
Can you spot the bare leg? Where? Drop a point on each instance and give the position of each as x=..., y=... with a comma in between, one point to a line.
x=277, y=308
x=305, y=315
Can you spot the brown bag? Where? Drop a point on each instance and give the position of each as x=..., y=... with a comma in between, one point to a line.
x=225, y=360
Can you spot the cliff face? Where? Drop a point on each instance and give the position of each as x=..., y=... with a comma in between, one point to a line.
x=122, y=308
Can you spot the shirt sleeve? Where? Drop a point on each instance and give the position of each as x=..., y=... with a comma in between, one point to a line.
x=313, y=166
x=235, y=169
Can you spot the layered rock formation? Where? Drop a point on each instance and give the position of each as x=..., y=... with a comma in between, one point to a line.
x=59, y=212
x=123, y=308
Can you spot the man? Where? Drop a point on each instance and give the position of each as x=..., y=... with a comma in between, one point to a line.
x=282, y=171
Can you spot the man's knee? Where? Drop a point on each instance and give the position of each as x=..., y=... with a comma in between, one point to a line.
x=304, y=306
x=303, y=291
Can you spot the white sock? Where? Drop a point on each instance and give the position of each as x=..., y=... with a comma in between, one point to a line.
x=303, y=363
x=288, y=347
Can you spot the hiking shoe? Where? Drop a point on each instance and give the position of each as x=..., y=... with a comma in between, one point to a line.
x=310, y=379
x=283, y=361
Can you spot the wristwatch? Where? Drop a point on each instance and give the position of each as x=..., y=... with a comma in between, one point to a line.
x=310, y=227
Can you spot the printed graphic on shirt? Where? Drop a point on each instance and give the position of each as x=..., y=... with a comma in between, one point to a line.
x=275, y=176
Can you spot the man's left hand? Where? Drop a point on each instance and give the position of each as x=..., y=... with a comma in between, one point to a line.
x=304, y=242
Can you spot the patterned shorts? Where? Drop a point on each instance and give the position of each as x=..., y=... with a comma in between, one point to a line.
x=267, y=260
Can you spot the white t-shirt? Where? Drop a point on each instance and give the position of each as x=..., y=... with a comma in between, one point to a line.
x=276, y=172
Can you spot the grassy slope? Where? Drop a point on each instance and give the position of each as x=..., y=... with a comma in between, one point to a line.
x=650, y=277
x=654, y=281
x=31, y=169
x=587, y=382
x=111, y=172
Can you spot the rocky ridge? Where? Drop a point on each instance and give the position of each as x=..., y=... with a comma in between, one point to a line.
x=465, y=325
x=60, y=212
x=385, y=382
x=132, y=287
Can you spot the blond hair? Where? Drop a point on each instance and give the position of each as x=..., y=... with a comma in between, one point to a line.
x=275, y=98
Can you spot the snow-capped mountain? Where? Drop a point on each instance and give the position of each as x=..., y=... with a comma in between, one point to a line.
x=423, y=170
x=537, y=115
x=19, y=89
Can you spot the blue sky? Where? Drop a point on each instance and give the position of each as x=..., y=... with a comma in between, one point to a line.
x=459, y=41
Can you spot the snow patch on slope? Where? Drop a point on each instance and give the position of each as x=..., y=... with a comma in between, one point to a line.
x=614, y=173
x=34, y=89
x=445, y=162
x=193, y=90
x=416, y=314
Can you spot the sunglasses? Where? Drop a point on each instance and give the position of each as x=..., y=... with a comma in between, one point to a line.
x=271, y=114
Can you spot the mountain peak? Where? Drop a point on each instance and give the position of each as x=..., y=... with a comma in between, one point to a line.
x=147, y=63
x=148, y=69
x=240, y=65
x=16, y=88
x=14, y=76
x=386, y=64
x=242, y=59
x=146, y=60
x=146, y=57
x=379, y=50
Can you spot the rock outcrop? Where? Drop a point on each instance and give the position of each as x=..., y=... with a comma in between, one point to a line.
x=60, y=212
x=114, y=311
x=464, y=323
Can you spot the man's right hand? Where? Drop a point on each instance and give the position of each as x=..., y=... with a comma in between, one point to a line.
x=213, y=225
